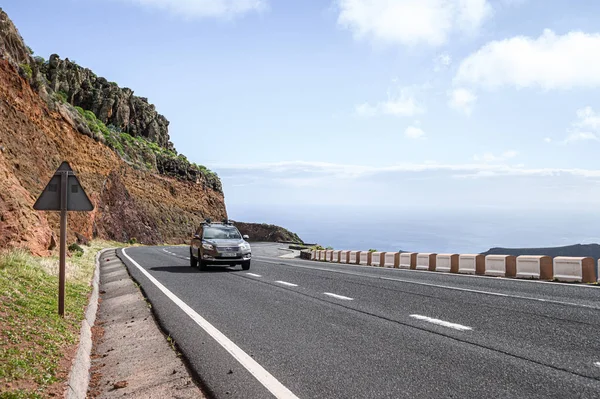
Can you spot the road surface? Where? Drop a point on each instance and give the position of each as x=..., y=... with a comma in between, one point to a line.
x=294, y=328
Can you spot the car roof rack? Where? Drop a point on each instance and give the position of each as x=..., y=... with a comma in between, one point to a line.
x=224, y=222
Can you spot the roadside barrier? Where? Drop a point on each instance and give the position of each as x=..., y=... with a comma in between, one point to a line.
x=561, y=268
x=353, y=257
x=501, y=265
x=471, y=264
x=574, y=269
x=408, y=260
x=377, y=259
x=426, y=261
x=447, y=263
x=365, y=258
x=392, y=259
x=536, y=267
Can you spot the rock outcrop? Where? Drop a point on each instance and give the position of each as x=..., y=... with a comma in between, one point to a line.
x=262, y=232
x=111, y=104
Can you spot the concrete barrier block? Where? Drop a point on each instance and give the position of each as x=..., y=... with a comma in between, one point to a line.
x=392, y=259
x=471, y=264
x=537, y=267
x=344, y=256
x=501, y=265
x=408, y=260
x=336, y=256
x=365, y=258
x=426, y=261
x=329, y=255
x=377, y=259
x=447, y=263
x=574, y=269
x=320, y=255
x=313, y=255
x=353, y=257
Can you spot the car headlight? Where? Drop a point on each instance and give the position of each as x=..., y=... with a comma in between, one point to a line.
x=208, y=246
x=245, y=247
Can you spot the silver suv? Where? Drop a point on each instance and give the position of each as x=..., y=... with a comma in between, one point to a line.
x=219, y=244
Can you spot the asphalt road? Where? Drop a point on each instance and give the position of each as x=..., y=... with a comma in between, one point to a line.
x=339, y=331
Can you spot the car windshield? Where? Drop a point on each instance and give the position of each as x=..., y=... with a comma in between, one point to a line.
x=211, y=233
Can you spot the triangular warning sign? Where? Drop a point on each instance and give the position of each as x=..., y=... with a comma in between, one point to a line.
x=50, y=199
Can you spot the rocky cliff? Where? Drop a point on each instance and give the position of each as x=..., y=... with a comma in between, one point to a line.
x=140, y=187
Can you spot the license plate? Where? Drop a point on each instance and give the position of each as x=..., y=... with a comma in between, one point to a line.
x=229, y=254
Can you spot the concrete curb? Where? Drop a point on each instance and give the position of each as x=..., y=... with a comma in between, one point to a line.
x=79, y=376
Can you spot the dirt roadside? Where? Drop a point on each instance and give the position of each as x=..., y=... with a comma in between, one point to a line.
x=131, y=356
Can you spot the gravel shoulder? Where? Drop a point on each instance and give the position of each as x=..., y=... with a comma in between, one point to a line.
x=131, y=356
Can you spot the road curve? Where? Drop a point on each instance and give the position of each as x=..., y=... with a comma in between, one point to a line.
x=339, y=331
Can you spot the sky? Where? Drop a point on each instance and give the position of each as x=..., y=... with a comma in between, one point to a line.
x=429, y=104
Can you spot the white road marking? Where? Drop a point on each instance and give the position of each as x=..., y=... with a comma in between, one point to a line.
x=597, y=364
x=580, y=305
x=441, y=322
x=259, y=372
x=345, y=298
x=286, y=283
x=253, y=275
x=175, y=255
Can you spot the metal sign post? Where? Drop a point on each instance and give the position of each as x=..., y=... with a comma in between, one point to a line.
x=70, y=197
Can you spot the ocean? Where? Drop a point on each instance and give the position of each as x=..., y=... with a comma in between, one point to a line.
x=427, y=230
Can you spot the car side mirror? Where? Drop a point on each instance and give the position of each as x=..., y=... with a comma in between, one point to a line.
x=196, y=236
x=245, y=237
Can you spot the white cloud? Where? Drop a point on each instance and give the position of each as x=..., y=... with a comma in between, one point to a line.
x=585, y=128
x=411, y=22
x=462, y=100
x=400, y=102
x=205, y=8
x=547, y=140
x=441, y=62
x=550, y=62
x=414, y=132
x=489, y=157
x=303, y=170
x=580, y=136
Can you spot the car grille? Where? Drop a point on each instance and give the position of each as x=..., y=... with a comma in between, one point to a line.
x=228, y=249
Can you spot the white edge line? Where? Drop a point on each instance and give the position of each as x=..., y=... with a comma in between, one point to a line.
x=286, y=283
x=253, y=275
x=345, y=298
x=443, y=323
x=259, y=372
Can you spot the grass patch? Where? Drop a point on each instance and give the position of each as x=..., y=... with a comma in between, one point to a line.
x=33, y=338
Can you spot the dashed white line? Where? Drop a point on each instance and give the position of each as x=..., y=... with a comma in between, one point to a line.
x=253, y=275
x=597, y=364
x=278, y=390
x=286, y=283
x=443, y=323
x=345, y=298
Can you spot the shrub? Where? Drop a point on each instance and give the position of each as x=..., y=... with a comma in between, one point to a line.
x=132, y=241
x=75, y=249
x=39, y=60
x=29, y=50
x=329, y=248
x=27, y=70
x=61, y=96
x=372, y=250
